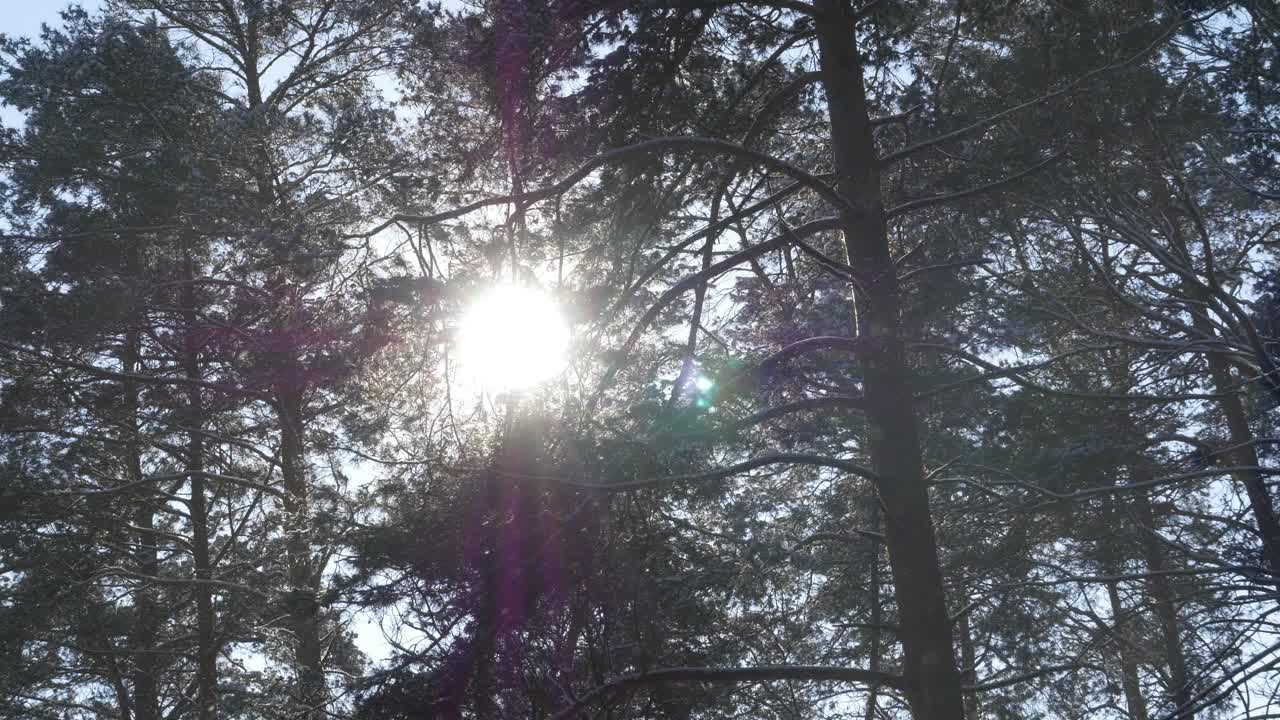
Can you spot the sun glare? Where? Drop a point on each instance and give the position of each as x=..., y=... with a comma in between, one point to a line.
x=512, y=338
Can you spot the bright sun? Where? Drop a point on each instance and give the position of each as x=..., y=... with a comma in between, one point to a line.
x=512, y=338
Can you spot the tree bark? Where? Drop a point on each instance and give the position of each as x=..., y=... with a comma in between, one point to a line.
x=1245, y=455
x=146, y=695
x=932, y=681
x=1134, y=700
x=968, y=662
x=304, y=581
x=1158, y=586
x=303, y=597
x=873, y=592
x=206, y=646
x=1163, y=601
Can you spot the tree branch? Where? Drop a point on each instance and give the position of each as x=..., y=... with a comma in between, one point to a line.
x=919, y=203
x=692, y=281
x=1028, y=676
x=992, y=119
x=711, y=146
x=762, y=673
x=717, y=474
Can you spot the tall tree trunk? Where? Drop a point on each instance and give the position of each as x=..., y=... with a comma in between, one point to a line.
x=1162, y=600
x=1158, y=586
x=206, y=646
x=933, y=687
x=1114, y=550
x=304, y=581
x=303, y=597
x=877, y=616
x=1244, y=455
x=968, y=662
x=262, y=164
x=1134, y=700
x=146, y=695
x=481, y=686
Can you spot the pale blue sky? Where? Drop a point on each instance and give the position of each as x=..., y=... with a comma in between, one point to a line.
x=22, y=18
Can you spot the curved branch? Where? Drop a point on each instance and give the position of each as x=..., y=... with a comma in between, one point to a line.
x=969, y=262
x=842, y=538
x=229, y=479
x=992, y=119
x=692, y=281
x=793, y=5
x=828, y=263
x=924, y=202
x=1199, y=702
x=777, y=101
x=1015, y=374
x=800, y=347
x=711, y=146
x=1027, y=676
x=212, y=281
x=105, y=374
x=762, y=673
x=680, y=246
x=844, y=402
x=717, y=474
x=896, y=117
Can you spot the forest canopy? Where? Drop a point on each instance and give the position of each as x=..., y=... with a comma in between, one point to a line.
x=670, y=359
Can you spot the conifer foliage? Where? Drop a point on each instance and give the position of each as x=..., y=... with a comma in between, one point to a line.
x=919, y=360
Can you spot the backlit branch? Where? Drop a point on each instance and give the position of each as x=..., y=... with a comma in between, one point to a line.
x=692, y=281
x=711, y=146
x=717, y=474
